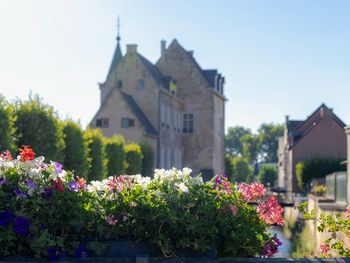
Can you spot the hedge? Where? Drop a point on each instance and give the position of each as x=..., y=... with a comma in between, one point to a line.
x=133, y=158
x=6, y=126
x=115, y=155
x=148, y=159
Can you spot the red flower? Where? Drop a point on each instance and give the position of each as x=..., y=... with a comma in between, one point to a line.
x=57, y=184
x=81, y=182
x=26, y=153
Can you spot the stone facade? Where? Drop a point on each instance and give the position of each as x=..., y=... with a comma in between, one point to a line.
x=173, y=105
x=347, y=130
x=321, y=134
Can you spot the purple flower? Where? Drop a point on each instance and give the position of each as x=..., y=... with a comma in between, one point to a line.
x=47, y=193
x=31, y=184
x=2, y=180
x=57, y=166
x=19, y=193
x=6, y=218
x=73, y=186
x=81, y=252
x=21, y=226
x=52, y=253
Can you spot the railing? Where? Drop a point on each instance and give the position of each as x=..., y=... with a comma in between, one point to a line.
x=336, y=187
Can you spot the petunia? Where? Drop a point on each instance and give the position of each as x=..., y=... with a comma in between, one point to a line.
x=183, y=187
x=6, y=218
x=2, y=180
x=73, y=186
x=80, y=252
x=111, y=220
x=47, y=193
x=57, y=166
x=21, y=226
x=31, y=184
x=19, y=193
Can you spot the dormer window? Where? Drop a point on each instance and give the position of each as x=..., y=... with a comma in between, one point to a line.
x=102, y=123
x=127, y=123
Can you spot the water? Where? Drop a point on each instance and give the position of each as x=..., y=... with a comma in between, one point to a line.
x=284, y=249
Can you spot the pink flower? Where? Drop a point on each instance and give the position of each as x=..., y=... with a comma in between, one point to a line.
x=233, y=209
x=119, y=183
x=347, y=212
x=226, y=187
x=111, y=220
x=251, y=192
x=125, y=216
x=325, y=248
x=271, y=212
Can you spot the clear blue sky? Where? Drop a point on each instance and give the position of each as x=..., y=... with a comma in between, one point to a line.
x=278, y=57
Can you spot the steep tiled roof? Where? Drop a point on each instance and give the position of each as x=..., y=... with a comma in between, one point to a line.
x=210, y=74
x=117, y=57
x=152, y=69
x=149, y=129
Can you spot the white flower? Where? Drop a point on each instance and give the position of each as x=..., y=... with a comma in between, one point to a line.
x=183, y=187
x=197, y=180
x=187, y=171
x=7, y=165
x=35, y=173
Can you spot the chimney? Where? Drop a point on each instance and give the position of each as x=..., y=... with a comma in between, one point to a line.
x=287, y=119
x=162, y=47
x=131, y=48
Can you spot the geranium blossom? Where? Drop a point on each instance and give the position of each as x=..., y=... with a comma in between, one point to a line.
x=6, y=156
x=26, y=153
x=251, y=192
x=325, y=248
x=271, y=212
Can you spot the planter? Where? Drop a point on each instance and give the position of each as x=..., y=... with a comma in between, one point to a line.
x=117, y=248
x=189, y=253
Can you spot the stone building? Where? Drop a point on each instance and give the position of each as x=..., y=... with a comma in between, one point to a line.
x=321, y=134
x=173, y=105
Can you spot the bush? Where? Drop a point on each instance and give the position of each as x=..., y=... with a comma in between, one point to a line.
x=267, y=175
x=115, y=155
x=37, y=124
x=133, y=158
x=316, y=167
x=75, y=150
x=6, y=126
x=96, y=154
x=148, y=159
x=241, y=171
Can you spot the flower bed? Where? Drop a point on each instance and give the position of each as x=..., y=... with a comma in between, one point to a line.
x=48, y=212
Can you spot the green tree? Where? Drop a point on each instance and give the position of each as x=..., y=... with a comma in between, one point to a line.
x=115, y=155
x=268, y=135
x=250, y=147
x=37, y=125
x=316, y=167
x=96, y=154
x=241, y=171
x=75, y=150
x=233, y=137
x=267, y=175
x=133, y=158
x=6, y=126
x=148, y=159
x=228, y=165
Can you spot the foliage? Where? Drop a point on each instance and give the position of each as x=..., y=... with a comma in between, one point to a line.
x=148, y=159
x=268, y=135
x=96, y=154
x=241, y=171
x=133, y=158
x=37, y=124
x=316, y=167
x=75, y=150
x=228, y=166
x=233, y=144
x=319, y=189
x=46, y=211
x=267, y=175
x=262, y=146
x=6, y=126
x=334, y=225
x=250, y=147
x=115, y=155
